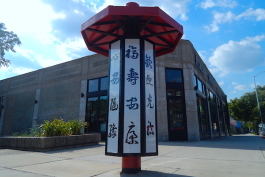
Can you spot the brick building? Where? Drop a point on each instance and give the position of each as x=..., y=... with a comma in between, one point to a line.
x=190, y=103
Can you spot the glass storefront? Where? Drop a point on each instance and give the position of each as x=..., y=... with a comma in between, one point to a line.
x=97, y=105
x=177, y=123
x=216, y=116
x=202, y=115
x=221, y=117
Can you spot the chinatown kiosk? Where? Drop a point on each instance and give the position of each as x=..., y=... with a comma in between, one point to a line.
x=131, y=36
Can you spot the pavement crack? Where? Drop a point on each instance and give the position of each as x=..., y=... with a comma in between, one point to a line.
x=42, y=163
x=174, y=151
x=177, y=169
x=12, y=169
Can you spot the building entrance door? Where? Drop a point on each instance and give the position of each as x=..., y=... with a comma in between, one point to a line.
x=96, y=115
x=176, y=120
x=97, y=106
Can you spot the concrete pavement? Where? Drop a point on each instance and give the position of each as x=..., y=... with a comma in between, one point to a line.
x=235, y=156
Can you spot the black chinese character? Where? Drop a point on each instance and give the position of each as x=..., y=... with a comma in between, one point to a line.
x=112, y=131
x=133, y=76
x=150, y=129
x=132, y=51
x=115, y=79
x=115, y=56
x=148, y=80
x=113, y=105
x=149, y=99
x=132, y=105
x=131, y=136
x=148, y=61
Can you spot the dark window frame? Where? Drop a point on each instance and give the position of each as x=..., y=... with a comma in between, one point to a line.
x=99, y=92
x=176, y=86
x=202, y=87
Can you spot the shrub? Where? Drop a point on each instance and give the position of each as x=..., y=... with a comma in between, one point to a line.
x=19, y=133
x=36, y=131
x=76, y=126
x=57, y=127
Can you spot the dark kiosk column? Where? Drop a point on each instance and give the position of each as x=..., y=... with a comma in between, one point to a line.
x=131, y=36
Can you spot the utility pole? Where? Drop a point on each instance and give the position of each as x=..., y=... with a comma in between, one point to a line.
x=257, y=97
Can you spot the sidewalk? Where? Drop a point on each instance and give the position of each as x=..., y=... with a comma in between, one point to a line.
x=236, y=156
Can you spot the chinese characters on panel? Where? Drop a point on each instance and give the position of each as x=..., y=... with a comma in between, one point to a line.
x=150, y=112
x=138, y=113
x=114, y=97
x=132, y=121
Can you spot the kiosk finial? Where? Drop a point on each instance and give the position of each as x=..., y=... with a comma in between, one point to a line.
x=132, y=4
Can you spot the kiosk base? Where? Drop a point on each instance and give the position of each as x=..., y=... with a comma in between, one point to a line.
x=131, y=164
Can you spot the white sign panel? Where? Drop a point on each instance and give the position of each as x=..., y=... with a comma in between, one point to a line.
x=132, y=136
x=150, y=114
x=114, y=90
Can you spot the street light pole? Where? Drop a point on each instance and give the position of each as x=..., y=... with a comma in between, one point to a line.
x=260, y=114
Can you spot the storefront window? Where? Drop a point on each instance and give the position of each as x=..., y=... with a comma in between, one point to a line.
x=93, y=85
x=211, y=96
x=198, y=84
x=214, y=119
x=97, y=106
x=103, y=113
x=176, y=115
x=195, y=81
x=174, y=75
x=202, y=114
x=92, y=114
x=174, y=92
x=221, y=116
x=200, y=87
x=104, y=83
x=177, y=122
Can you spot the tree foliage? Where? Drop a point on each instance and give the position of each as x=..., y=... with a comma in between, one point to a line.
x=8, y=40
x=245, y=108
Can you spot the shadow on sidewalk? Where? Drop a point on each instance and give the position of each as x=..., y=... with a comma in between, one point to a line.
x=243, y=141
x=146, y=173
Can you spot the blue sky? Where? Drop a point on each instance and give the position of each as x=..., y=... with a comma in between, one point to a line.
x=229, y=35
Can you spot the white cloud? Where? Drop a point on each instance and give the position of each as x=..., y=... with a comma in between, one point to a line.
x=219, y=18
x=252, y=86
x=238, y=56
x=214, y=70
x=220, y=3
x=34, y=21
x=240, y=87
x=13, y=71
x=202, y=55
x=175, y=8
x=221, y=83
x=49, y=32
x=217, y=71
x=234, y=83
x=72, y=14
x=258, y=14
x=69, y=50
x=29, y=54
x=21, y=70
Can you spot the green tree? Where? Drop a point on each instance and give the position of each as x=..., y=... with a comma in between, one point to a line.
x=245, y=108
x=8, y=40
